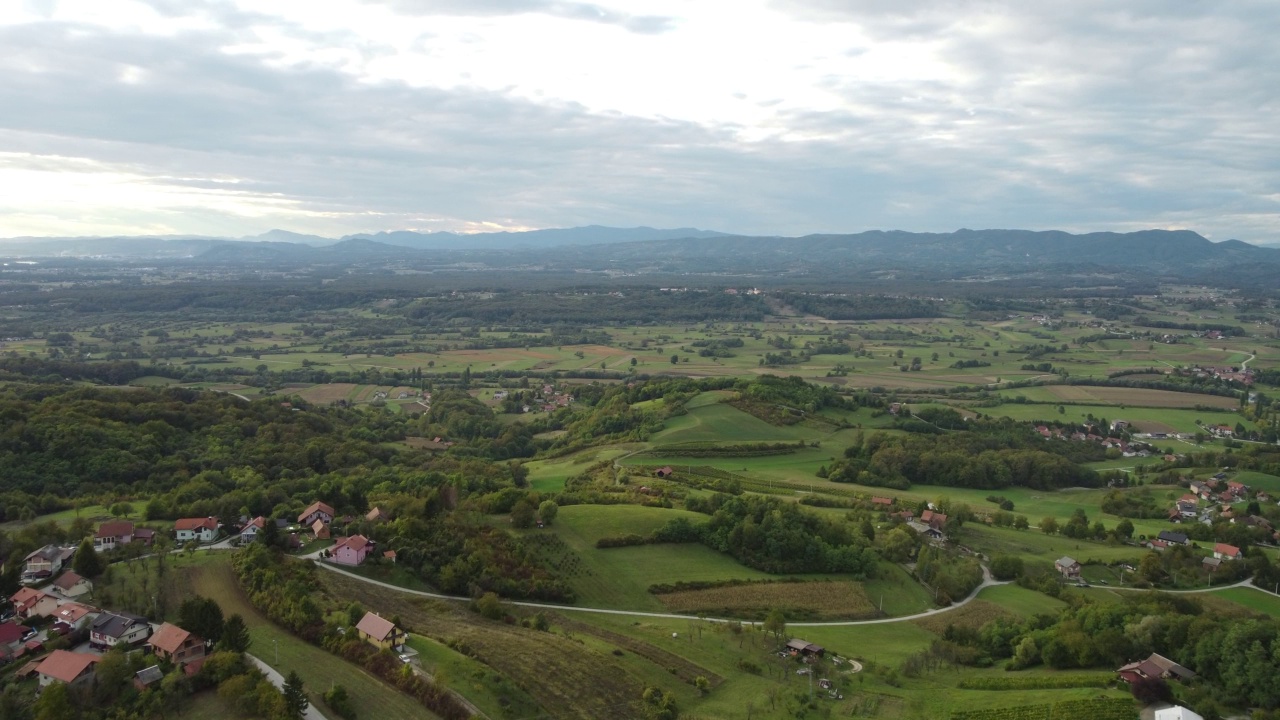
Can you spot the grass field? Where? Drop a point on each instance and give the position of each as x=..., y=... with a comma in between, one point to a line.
x=1020, y=600
x=1122, y=396
x=1144, y=419
x=1035, y=545
x=720, y=422
x=284, y=652
x=1251, y=598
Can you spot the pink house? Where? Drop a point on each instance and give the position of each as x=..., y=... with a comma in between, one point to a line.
x=352, y=550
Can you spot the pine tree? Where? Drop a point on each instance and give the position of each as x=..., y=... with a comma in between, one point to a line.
x=295, y=698
x=235, y=636
x=86, y=562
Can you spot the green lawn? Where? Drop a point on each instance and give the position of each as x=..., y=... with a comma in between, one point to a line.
x=1021, y=600
x=1252, y=598
x=1035, y=545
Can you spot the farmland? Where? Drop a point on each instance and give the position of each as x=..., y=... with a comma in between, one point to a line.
x=816, y=600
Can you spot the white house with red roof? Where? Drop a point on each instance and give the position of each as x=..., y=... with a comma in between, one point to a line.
x=352, y=550
x=112, y=534
x=202, y=529
x=30, y=602
x=1223, y=551
x=72, y=585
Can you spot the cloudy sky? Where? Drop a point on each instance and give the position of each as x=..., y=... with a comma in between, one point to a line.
x=232, y=117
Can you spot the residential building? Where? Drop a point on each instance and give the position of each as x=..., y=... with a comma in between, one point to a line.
x=75, y=615
x=64, y=666
x=380, y=632
x=146, y=536
x=376, y=515
x=72, y=585
x=796, y=646
x=176, y=645
x=352, y=550
x=1155, y=666
x=320, y=530
x=1173, y=538
x=111, y=629
x=204, y=530
x=1223, y=551
x=46, y=562
x=113, y=534
x=1068, y=567
x=1177, y=712
x=30, y=602
x=316, y=511
x=251, y=529
x=11, y=636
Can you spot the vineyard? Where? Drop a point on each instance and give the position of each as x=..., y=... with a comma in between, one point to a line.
x=1099, y=709
x=1038, y=682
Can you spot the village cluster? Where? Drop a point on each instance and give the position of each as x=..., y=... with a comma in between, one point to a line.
x=54, y=602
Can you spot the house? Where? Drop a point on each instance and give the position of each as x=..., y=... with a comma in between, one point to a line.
x=928, y=531
x=251, y=529
x=64, y=666
x=111, y=629
x=1068, y=567
x=11, y=636
x=352, y=550
x=796, y=646
x=146, y=536
x=204, y=530
x=887, y=502
x=1177, y=712
x=380, y=632
x=147, y=677
x=389, y=555
x=316, y=511
x=935, y=520
x=1173, y=538
x=320, y=530
x=46, y=561
x=664, y=472
x=376, y=515
x=72, y=585
x=29, y=603
x=1223, y=551
x=176, y=645
x=1155, y=666
x=1119, y=425
x=75, y=615
x=112, y=534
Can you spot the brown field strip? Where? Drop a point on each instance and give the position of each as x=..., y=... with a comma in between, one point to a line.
x=325, y=394
x=839, y=599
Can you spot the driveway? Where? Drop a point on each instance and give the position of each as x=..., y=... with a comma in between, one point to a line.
x=278, y=680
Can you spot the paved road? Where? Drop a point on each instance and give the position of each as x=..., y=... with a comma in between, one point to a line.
x=1247, y=582
x=987, y=581
x=278, y=680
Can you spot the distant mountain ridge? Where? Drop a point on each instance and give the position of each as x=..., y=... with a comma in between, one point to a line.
x=1148, y=253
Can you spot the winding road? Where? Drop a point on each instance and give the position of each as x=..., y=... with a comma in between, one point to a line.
x=987, y=581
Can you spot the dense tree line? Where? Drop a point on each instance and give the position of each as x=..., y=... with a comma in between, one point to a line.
x=779, y=537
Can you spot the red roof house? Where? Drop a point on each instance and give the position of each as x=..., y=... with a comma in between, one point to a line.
x=352, y=550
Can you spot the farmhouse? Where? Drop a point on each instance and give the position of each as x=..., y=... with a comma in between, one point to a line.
x=1173, y=538
x=111, y=534
x=111, y=629
x=72, y=585
x=201, y=529
x=1223, y=551
x=316, y=511
x=887, y=502
x=380, y=632
x=1155, y=666
x=935, y=520
x=176, y=645
x=352, y=550
x=927, y=531
x=664, y=472
x=1068, y=567
x=796, y=646
x=64, y=666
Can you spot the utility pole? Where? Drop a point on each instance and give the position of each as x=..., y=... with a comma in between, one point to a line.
x=276, y=644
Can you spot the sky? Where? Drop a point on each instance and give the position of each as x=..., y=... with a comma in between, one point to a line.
x=761, y=117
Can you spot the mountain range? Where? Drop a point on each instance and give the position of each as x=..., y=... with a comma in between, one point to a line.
x=1176, y=253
